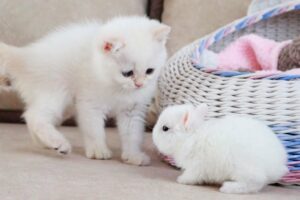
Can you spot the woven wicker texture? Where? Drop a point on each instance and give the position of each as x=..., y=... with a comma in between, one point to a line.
x=273, y=101
x=270, y=100
x=277, y=102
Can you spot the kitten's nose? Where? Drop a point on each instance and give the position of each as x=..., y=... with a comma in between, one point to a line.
x=138, y=84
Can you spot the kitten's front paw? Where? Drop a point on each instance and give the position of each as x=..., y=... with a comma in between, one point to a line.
x=182, y=179
x=96, y=151
x=137, y=158
x=63, y=147
x=53, y=141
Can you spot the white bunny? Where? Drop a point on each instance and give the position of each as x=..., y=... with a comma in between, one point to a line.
x=241, y=153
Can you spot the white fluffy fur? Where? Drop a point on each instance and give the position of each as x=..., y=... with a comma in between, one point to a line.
x=80, y=66
x=238, y=152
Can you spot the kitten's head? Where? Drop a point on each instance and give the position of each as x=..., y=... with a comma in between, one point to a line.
x=135, y=49
x=175, y=124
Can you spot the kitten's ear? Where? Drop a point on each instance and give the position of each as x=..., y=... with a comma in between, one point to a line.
x=112, y=45
x=161, y=33
x=193, y=118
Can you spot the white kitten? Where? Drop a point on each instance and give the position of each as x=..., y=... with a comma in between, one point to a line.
x=99, y=70
x=238, y=152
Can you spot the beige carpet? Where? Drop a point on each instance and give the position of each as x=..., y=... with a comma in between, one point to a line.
x=27, y=172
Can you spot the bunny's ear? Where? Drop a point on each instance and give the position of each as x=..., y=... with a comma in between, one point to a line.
x=193, y=118
x=185, y=119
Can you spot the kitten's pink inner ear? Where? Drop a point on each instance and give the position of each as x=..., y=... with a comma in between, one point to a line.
x=113, y=46
x=107, y=46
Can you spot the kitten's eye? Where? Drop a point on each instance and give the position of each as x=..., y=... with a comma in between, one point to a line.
x=149, y=71
x=165, y=128
x=128, y=73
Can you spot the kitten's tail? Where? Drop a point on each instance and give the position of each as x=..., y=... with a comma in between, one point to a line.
x=9, y=58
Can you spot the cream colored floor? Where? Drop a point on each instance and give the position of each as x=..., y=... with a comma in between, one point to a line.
x=27, y=172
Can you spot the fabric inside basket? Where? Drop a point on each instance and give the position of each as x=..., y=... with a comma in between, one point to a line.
x=279, y=25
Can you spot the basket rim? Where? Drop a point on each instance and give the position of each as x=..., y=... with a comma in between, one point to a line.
x=237, y=25
x=244, y=22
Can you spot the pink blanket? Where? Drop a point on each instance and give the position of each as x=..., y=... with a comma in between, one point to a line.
x=251, y=53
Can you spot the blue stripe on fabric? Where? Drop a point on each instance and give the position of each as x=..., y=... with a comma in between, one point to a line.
x=269, y=14
x=229, y=73
x=297, y=7
x=219, y=35
x=202, y=45
x=285, y=77
x=241, y=25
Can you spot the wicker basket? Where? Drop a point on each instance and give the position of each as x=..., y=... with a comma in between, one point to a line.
x=277, y=102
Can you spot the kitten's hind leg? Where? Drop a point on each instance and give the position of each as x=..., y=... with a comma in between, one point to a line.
x=131, y=129
x=91, y=122
x=41, y=119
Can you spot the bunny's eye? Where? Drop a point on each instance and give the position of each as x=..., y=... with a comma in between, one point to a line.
x=165, y=128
